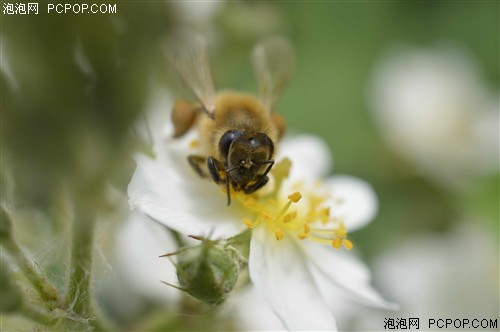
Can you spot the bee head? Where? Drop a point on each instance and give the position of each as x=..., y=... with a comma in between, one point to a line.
x=245, y=154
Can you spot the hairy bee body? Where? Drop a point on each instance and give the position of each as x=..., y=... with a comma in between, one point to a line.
x=238, y=132
x=234, y=111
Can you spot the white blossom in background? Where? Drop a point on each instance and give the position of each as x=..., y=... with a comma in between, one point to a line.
x=452, y=275
x=298, y=222
x=199, y=13
x=433, y=107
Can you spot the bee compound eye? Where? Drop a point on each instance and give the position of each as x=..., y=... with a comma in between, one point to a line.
x=226, y=140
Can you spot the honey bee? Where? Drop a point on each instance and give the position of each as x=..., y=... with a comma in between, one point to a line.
x=238, y=131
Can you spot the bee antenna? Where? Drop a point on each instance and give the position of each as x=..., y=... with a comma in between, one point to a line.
x=263, y=162
x=231, y=169
x=228, y=191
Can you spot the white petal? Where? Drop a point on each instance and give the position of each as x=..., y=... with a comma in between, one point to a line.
x=279, y=272
x=138, y=245
x=251, y=311
x=310, y=156
x=164, y=190
x=341, y=270
x=157, y=123
x=358, y=201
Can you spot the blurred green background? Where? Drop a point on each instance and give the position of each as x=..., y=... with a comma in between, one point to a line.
x=68, y=122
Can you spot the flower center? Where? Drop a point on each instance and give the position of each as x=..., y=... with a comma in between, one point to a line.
x=303, y=215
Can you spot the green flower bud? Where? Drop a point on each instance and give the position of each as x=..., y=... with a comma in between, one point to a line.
x=208, y=271
x=11, y=299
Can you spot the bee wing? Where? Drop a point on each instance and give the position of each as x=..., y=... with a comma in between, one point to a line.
x=273, y=61
x=188, y=54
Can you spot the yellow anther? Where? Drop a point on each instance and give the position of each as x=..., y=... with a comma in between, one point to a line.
x=341, y=231
x=279, y=234
x=249, y=202
x=272, y=201
x=347, y=244
x=194, y=144
x=266, y=215
x=315, y=201
x=289, y=217
x=337, y=243
x=325, y=214
x=248, y=223
x=295, y=197
x=313, y=222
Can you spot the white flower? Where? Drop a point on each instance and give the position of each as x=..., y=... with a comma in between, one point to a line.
x=441, y=275
x=433, y=108
x=199, y=13
x=199, y=16
x=296, y=221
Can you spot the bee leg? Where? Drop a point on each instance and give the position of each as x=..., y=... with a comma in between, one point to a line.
x=183, y=116
x=257, y=185
x=214, y=168
x=261, y=182
x=197, y=163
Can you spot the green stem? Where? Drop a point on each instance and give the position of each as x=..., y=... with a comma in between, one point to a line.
x=79, y=300
x=45, y=289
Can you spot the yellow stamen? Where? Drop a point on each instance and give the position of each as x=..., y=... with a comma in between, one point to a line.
x=279, y=234
x=194, y=144
x=324, y=214
x=272, y=201
x=310, y=220
x=347, y=244
x=337, y=243
x=341, y=231
x=249, y=202
x=266, y=215
x=295, y=197
x=289, y=217
x=248, y=223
